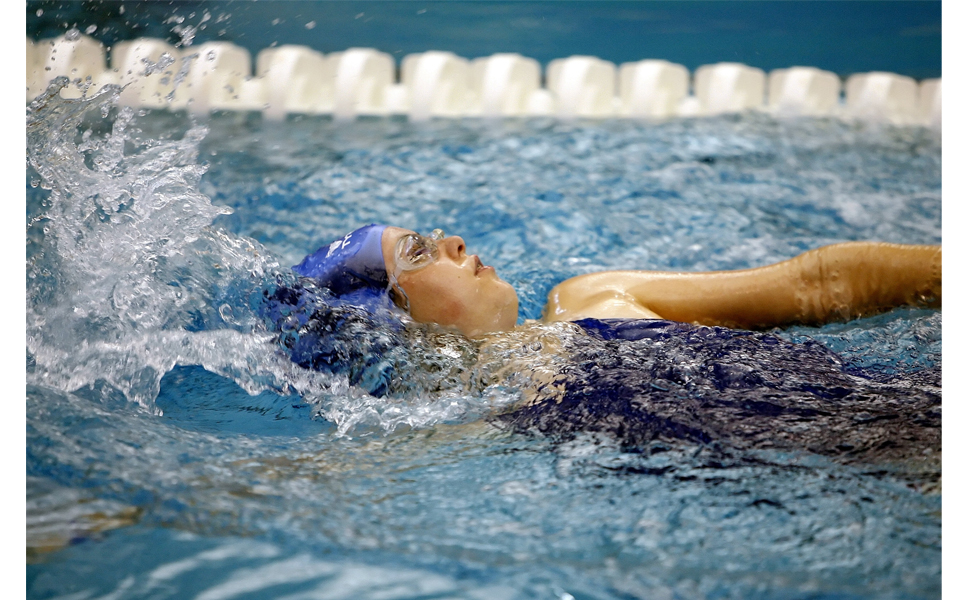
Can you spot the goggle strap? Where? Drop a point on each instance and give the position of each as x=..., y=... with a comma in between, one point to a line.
x=393, y=285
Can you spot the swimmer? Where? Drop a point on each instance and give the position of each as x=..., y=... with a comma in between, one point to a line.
x=435, y=280
x=628, y=354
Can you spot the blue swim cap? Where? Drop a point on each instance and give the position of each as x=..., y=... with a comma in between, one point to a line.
x=354, y=262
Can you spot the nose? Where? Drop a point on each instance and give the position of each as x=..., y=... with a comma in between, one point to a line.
x=453, y=246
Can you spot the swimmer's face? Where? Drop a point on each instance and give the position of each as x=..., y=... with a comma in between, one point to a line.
x=456, y=290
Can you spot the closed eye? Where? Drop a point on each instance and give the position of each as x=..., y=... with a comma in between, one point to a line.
x=418, y=254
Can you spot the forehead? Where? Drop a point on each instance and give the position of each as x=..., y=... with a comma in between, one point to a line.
x=392, y=235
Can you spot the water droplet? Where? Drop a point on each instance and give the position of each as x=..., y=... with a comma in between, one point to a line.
x=311, y=25
x=91, y=29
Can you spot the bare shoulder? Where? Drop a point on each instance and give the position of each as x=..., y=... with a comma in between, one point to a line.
x=602, y=295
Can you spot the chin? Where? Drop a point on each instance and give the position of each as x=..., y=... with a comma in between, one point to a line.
x=499, y=318
x=508, y=314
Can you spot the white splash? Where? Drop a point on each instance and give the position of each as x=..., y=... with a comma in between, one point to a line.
x=127, y=277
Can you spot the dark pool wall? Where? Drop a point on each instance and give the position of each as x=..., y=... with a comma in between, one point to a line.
x=842, y=37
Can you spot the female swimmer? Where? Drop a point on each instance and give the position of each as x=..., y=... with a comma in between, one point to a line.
x=435, y=280
x=639, y=360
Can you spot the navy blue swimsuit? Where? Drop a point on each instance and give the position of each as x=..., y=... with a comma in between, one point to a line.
x=649, y=382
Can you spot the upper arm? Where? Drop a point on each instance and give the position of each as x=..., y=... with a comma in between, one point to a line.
x=750, y=298
x=734, y=298
x=834, y=282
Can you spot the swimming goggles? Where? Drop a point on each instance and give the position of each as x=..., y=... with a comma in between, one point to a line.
x=413, y=252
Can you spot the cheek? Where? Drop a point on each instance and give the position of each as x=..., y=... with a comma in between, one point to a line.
x=445, y=303
x=441, y=309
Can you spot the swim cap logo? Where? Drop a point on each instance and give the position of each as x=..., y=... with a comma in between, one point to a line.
x=339, y=244
x=349, y=263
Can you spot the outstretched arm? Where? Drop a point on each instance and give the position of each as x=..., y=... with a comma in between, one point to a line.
x=837, y=282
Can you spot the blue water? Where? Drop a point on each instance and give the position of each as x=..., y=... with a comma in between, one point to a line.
x=173, y=450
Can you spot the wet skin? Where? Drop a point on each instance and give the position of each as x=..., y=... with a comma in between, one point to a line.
x=456, y=290
x=832, y=283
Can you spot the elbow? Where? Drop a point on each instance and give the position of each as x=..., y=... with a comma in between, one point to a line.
x=823, y=292
x=932, y=294
x=861, y=280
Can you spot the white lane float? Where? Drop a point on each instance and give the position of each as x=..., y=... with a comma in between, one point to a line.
x=930, y=108
x=363, y=78
x=217, y=77
x=35, y=80
x=294, y=79
x=361, y=81
x=652, y=88
x=75, y=56
x=146, y=69
x=882, y=98
x=803, y=91
x=728, y=88
x=438, y=84
x=583, y=86
x=503, y=85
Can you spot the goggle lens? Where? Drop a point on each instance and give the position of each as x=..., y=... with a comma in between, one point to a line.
x=415, y=251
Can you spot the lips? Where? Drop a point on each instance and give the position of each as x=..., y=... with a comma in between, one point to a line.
x=479, y=267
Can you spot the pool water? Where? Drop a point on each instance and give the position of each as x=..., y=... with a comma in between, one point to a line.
x=174, y=450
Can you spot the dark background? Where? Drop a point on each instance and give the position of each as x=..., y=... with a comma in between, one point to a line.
x=844, y=37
